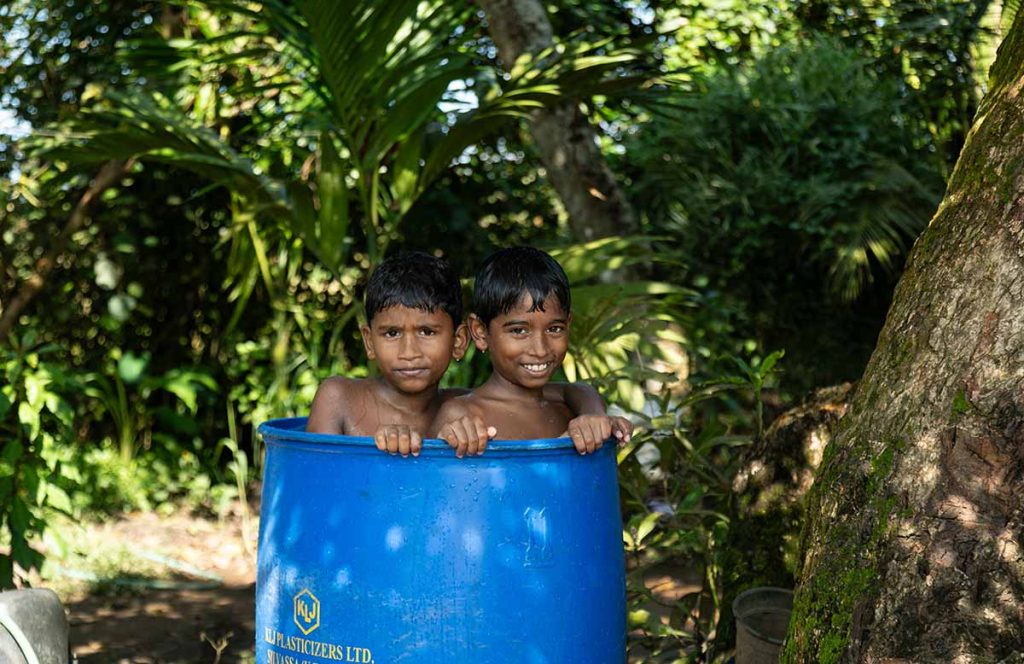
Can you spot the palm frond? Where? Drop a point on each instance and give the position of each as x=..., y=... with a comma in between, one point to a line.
x=889, y=211
x=152, y=128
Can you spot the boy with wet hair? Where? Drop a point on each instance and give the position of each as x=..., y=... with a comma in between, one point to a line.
x=413, y=329
x=521, y=318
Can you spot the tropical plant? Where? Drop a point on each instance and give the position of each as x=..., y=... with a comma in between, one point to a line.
x=676, y=481
x=371, y=83
x=937, y=51
x=792, y=187
x=363, y=105
x=124, y=395
x=619, y=326
x=36, y=476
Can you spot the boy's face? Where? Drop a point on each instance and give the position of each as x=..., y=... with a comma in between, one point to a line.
x=413, y=347
x=526, y=347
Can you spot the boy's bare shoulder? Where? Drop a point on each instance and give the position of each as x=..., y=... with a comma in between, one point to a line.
x=458, y=403
x=334, y=400
x=334, y=385
x=344, y=386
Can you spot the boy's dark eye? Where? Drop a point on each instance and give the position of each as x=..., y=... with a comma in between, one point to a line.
x=427, y=332
x=556, y=329
x=391, y=333
x=518, y=330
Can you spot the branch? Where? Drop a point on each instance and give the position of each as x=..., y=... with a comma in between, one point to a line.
x=109, y=175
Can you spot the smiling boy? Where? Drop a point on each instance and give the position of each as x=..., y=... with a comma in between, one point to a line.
x=521, y=318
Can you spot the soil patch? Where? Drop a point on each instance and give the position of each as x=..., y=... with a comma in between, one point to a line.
x=181, y=589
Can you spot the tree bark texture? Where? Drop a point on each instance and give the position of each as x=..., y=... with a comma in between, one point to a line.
x=566, y=141
x=913, y=549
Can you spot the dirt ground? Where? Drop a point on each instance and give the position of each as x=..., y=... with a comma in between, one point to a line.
x=113, y=623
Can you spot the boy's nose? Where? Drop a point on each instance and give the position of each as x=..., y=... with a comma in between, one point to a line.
x=539, y=347
x=408, y=348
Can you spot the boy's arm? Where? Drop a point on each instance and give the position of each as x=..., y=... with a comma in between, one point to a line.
x=327, y=414
x=458, y=424
x=591, y=426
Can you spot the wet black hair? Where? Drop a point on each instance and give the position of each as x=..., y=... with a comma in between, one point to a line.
x=507, y=274
x=416, y=280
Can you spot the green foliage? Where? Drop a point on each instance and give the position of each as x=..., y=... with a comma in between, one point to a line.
x=783, y=157
x=676, y=481
x=618, y=325
x=124, y=394
x=379, y=146
x=752, y=376
x=930, y=48
x=712, y=35
x=791, y=187
x=36, y=423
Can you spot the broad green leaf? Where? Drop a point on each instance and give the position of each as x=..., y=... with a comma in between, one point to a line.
x=6, y=572
x=304, y=217
x=13, y=450
x=58, y=499
x=29, y=417
x=59, y=407
x=31, y=484
x=406, y=172
x=769, y=362
x=35, y=389
x=333, y=218
x=19, y=516
x=24, y=555
x=646, y=527
x=638, y=617
x=625, y=451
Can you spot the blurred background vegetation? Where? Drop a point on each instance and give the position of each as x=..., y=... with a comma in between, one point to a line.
x=193, y=194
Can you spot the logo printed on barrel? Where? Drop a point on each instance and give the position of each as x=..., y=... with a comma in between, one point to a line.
x=307, y=611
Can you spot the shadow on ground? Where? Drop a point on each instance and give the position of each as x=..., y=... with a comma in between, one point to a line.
x=165, y=626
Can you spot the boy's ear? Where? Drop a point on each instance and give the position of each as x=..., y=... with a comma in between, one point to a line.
x=461, y=341
x=367, y=344
x=478, y=331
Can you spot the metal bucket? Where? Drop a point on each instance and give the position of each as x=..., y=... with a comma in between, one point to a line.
x=762, y=618
x=513, y=556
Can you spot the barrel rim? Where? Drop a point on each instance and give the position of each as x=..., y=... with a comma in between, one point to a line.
x=293, y=429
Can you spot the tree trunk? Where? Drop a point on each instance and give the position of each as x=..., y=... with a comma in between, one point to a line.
x=913, y=548
x=566, y=141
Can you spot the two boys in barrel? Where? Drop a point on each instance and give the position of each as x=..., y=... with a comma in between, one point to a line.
x=521, y=317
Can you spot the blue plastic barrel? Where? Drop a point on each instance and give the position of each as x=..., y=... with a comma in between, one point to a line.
x=513, y=557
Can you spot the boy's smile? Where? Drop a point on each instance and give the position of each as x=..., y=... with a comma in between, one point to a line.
x=413, y=347
x=526, y=346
